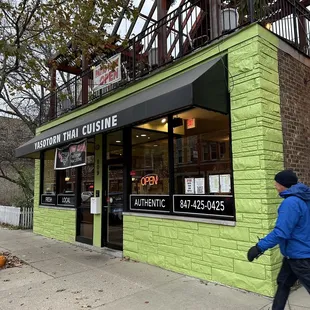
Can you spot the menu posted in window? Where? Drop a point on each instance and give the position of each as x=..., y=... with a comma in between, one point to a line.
x=189, y=186
x=214, y=183
x=200, y=186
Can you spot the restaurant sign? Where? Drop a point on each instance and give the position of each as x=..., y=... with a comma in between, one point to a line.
x=66, y=200
x=204, y=205
x=73, y=155
x=150, y=203
x=107, y=74
x=48, y=199
x=149, y=179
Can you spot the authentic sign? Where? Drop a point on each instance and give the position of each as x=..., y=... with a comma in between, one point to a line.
x=150, y=203
x=89, y=129
x=207, y=205
x=66, y=200
x=71, y=156
x=109, y=74
x=48, y=199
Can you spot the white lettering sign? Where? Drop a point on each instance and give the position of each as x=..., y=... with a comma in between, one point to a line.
x=108, y=74
x=75, y=133
x=157, y=203
x=66, y=200
x=47, y=142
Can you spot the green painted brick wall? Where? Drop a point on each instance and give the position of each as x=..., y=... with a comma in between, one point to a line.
x=215, y=252
x=49, y=222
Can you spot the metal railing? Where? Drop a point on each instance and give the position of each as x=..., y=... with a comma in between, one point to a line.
x=191, y=26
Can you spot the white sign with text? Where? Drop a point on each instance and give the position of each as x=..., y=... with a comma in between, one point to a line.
x=107, y=74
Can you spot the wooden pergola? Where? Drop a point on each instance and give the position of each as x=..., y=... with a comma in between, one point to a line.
x=206, y=27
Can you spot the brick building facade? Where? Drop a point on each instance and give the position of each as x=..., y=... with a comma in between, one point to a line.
x=294, y=76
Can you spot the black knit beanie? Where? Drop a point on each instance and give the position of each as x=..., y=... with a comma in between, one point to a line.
x=287, y=178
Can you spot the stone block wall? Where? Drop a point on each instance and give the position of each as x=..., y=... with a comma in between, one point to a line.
x=295, y=110
x=50, y=222
x=215, y=252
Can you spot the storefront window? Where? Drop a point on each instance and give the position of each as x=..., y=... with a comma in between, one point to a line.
x=59, y=185
x=115, y=145
x=49, y=177
x=150, y=169
x=204, y=136
x=67, y=182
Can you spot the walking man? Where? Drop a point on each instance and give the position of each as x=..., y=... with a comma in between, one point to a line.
x=292, y=234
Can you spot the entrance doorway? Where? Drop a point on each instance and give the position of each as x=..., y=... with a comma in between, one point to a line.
x=86, y=175
x=114, y=206
x=114, y=191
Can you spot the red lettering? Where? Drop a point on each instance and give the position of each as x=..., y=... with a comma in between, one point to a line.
x=149, y=180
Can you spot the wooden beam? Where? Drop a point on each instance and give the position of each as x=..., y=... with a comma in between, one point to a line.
x=69, y=69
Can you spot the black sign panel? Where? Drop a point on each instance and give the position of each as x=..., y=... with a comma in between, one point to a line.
x=73, y=155
x=66, y=200
x=150, y=203
x=48, y=199
x=205, y=205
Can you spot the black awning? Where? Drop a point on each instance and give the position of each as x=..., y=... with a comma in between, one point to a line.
x=204, y=86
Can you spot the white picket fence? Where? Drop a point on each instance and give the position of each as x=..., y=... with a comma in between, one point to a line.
x=20, y=217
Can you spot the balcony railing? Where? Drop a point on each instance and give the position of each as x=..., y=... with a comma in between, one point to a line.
x=191, y=26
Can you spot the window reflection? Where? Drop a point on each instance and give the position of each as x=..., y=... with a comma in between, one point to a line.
x=150, y=170
x=67, y=181
x=202, y=151
x=86, y=219
x=115, y=145
x=49, y=176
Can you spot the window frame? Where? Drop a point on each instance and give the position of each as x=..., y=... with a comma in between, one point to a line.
x=173, y=158
x=76, y=193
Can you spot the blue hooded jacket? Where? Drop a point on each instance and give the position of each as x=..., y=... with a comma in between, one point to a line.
x=292, y=230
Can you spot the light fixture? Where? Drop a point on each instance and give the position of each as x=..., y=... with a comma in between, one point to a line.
x=268, y=26
x=143, y=135
x=67, y=179
x=133, y=179
x=120, y=154
x=149, y=137
x=155, y=145
x=164, y=120
x=118, y=141
x=137, y=136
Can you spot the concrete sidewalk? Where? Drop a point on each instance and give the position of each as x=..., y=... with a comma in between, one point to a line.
x=64, y=276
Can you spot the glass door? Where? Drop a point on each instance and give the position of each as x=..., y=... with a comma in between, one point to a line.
x=114, y=206
x=85, y=220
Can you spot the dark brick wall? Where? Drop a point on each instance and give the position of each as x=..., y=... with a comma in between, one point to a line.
x=295, y=112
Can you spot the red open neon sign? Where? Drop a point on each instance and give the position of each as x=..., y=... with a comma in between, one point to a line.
x=149, y=179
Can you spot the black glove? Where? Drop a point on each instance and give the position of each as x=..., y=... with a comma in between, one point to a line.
x=254, y=252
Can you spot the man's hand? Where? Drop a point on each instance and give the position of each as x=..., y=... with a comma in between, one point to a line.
x=254, y=252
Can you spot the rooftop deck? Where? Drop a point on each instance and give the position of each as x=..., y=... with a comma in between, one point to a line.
x=192, y=25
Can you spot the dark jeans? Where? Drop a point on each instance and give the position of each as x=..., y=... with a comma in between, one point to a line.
x=291, y=271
